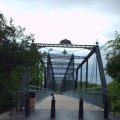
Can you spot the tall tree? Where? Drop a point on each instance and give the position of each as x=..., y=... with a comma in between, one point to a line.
x=113, y=57
x=17, y=51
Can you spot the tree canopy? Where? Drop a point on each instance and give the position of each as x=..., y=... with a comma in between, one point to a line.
x=113, y=57
x=17, y=52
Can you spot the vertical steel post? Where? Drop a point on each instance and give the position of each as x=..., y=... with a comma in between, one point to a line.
x=73, y=83
x=96, y=71
x=81, y=78
x=48, y=74
x=51, y=74
x=86, y=75
x=76, y=79
x=106, y=109
x=102, y=74
x=81, y=108
x=53, y=106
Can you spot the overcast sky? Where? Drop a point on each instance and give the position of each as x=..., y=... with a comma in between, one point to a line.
x=81, y=21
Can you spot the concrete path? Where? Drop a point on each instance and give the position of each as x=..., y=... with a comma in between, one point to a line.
x=65, y=103
x=66, y=109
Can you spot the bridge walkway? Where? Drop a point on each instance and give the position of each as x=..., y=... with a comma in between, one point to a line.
x=66, y=109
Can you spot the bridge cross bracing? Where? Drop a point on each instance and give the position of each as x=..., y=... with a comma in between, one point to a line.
x=60, y=67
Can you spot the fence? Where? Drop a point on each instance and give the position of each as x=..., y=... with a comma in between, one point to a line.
x=95, y=98
x=18, y=99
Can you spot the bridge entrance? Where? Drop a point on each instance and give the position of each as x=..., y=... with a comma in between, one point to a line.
x=73, y=74
x=66, y=70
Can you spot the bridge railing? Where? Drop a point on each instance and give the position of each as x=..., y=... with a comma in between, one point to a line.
x=94, y=98
x=17, y=103
x=18, y=99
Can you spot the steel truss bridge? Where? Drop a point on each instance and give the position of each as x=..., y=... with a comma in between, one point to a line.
x=68, y=74
x=61, y=69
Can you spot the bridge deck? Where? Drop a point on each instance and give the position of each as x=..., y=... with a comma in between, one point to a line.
x=66, y=109
x=65, y=103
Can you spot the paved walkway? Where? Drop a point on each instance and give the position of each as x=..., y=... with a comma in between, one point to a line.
x=65, y=103
x=66, y=109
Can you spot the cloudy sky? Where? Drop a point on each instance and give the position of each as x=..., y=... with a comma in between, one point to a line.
x=81, y=21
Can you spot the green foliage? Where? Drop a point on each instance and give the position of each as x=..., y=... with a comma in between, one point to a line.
x=114, y=95
x=91, y=87
x=114, y=87
x=113, y=69
x=17, y=51
x=113, y=57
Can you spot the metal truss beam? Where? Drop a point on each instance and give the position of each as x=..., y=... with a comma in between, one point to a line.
x=66, y=73
x=58, y=63
x=87, y=57
x=41, y=45
x=59, y=76
x=80, y=65
x=101, y=71
x=61, y=70
x=60, y=73
x=59, y=67
x=60, y=60
x=57, y=60
x=61, y=63
x=66, y=56
x=50, y=74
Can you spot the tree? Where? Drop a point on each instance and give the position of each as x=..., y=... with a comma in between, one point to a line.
x=113, y=69
x=17, y=51
x=113, y=87
x=113, y=57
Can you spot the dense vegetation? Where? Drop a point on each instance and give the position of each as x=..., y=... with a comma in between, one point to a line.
x=17, y=53
x=113, y=63
x=113, y=69
x=91, y=87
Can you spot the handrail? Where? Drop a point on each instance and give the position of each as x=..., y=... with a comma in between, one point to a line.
x=18, y=98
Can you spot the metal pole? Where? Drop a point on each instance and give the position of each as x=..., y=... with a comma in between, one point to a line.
x=81, y=108
x=86, y=75
x=53, y=106
x=102, y=74
x=76, y=79
x=81, y=78
x=73, y=75
x=106, y=109
x=96, y=70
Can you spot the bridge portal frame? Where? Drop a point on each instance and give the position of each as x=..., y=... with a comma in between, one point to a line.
x=93, y=49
